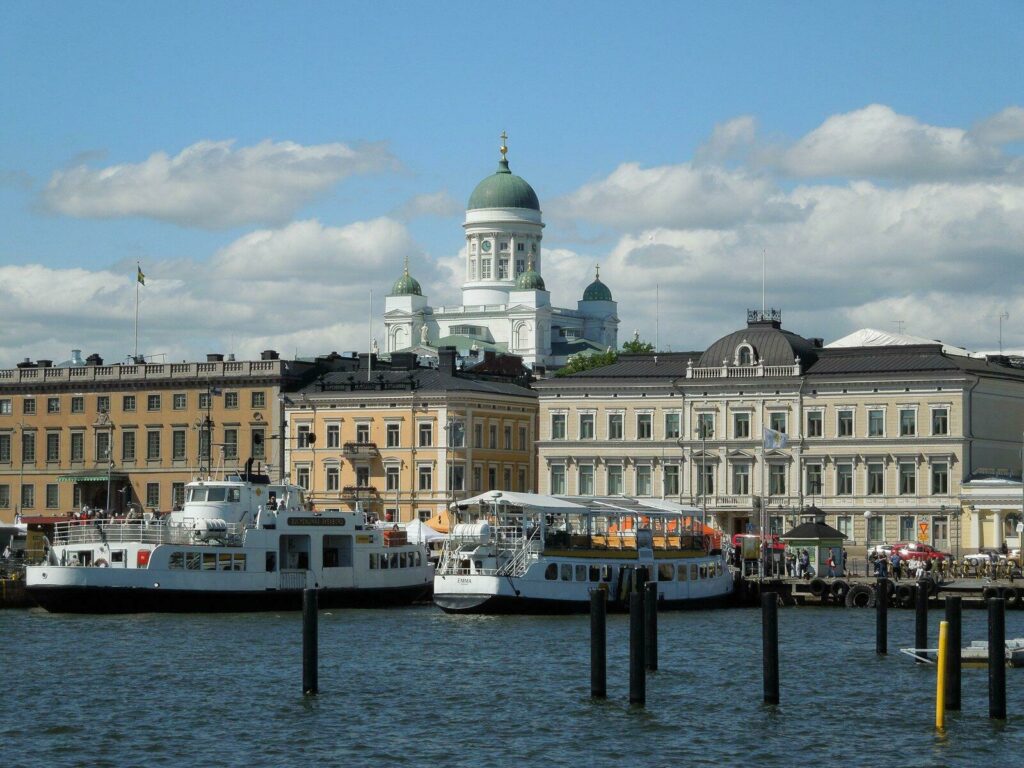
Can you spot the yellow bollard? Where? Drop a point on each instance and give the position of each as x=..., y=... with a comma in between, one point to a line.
x=940, y=677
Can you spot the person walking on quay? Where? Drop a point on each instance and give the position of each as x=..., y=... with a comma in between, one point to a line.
x=894, y=562
x=831, y=563
x=805, y=564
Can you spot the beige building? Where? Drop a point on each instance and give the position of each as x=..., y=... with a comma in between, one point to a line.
x=880, y=437
x=70, y=432
x=404, y=441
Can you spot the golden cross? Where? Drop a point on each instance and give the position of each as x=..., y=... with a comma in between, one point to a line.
x=504, y=149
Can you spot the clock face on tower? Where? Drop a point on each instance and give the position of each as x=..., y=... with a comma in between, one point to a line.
x=485, y=246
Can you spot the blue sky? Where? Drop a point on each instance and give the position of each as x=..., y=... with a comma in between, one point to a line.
x=873, y=150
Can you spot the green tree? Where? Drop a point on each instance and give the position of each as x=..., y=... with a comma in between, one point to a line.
x=581, y=362
x=635, y=346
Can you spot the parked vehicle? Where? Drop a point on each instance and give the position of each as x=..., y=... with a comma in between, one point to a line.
x=915, y=550
x=879, y=550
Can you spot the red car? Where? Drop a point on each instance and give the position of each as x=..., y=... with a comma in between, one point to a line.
x=915, y=550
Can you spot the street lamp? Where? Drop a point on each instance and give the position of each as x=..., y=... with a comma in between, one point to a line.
x=867, y=541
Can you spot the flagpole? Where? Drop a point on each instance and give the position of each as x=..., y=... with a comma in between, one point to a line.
x=138, y=270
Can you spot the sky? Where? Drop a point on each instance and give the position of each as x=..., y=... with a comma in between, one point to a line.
x=270, y=166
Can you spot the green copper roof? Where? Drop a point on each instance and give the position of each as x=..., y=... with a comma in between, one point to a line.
x=406, y=285
x=597, y=291
x=503, y=189
x=530, y=280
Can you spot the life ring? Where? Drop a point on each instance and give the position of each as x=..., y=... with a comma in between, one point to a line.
x=989, y=592
x=860, y=596
x=101, y=563
x=818, y=587
x=905, y=595
x=840, y=589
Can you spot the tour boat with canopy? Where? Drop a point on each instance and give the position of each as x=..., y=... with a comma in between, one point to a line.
x=512, y=552
x=238, y=544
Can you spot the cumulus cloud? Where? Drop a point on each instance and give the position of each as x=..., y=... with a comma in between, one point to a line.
x=212, y=184
x=877, y=142
x=439, y=204
x=1001, y=128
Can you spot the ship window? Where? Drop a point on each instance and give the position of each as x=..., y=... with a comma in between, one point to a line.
x=681, y=572
x=607, y=572
x=117, y=556
x=239, y=562
x=234, y=494
x=704, y=571
x=192, y=560
x=224, y=561
x=666, y=571
x=566, y=572
x=595, y=573
x=177, y=560
x=693, y=572
x=209, y=561
x=197, y=494
x=215, y=494
x=581, y=573
x=551, y=572
x=373, y=561
x=383, y=562
x=402, y=562
x=271, y=562
x=419, y=559
x=394, y=560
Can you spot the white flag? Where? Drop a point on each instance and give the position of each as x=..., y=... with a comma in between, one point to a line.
x=775, y=439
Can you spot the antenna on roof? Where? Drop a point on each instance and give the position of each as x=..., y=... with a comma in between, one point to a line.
x=899, y=325
x=657, y=317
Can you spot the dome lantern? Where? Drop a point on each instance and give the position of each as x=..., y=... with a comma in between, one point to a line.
x=597, y=291
x=406, y=285
x=530, y=280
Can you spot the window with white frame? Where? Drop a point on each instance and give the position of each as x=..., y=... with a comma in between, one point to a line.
x=394, y=432
x=741, y=425
x=586, y=426
x=940, y=421
x=614, y=426
x=644, y=426
x=844, y=478
x=558, y=426
x=705, y=425
x=586, y=478
x=302, y=477
x=334, y=435
x=777, y=479
x=670, y=475
x=908, y=478
x=812, y=473
x=363, y=433
x=671, y=425
x=777, y=421
x=844, y=524
x=815, y=420
x=908, y=422
x=614, y=479
x=940, y=478
x=741, y=479
x=844, y=423
x=706, y=479
x=557, y=479
x=643, y=480
x=876, y=478
x=426, y=434
x=391, y=477
x=876, y=422
x=302, y=436
x=425, y=475
x=333, y=478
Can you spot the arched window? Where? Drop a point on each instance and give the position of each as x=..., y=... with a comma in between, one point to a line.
x=523, y=336
x=744, y=354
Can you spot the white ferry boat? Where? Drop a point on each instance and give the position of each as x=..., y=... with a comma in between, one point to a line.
x=525, y=553
x=238, y=544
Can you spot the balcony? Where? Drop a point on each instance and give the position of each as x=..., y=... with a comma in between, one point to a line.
x=360, y=450
x=358, y=491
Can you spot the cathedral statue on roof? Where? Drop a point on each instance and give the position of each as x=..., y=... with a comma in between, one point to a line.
x=506, y=306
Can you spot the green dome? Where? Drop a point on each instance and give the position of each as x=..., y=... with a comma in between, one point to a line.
x=530, y=280
x=406, y=285
x=503, y=189
x=597, y=291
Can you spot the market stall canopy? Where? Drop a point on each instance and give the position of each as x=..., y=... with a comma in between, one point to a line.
x=532, y=500
x=420, y=532
x=91, y=477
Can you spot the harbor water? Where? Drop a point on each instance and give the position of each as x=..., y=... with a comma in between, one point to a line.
x=419, y=687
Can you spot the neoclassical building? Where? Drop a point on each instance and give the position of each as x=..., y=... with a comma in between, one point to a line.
x=884, y=437
x=506, y=306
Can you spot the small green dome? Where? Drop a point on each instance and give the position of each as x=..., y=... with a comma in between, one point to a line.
x=503, y=189
x=406, y=285
x=530, y=280
x=597, y=291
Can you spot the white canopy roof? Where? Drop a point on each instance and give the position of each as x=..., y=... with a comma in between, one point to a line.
x=421, y=532
x=872, y=337
x=532, y=500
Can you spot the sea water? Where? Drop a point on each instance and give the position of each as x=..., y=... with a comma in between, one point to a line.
x=421, y=688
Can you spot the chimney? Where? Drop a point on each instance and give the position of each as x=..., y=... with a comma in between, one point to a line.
x=268, y=354
x=214, y=357
x=446, y=359
x=367, y=360
x=26, y=363
x=231, y=357
x=44, y=363
x=403, y=361
x=94, y=359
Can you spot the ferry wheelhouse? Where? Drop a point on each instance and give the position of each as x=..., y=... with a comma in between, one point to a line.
x=526, y=553
x=238, y=544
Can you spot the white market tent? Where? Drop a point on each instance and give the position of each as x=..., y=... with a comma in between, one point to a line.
x=872, y=337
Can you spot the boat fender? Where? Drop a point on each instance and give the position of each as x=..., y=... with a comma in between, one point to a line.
x=890, y=587
x=101, y=563
x=818, y=587
x=860, y=596
x=1016, y=599
x=989, y=592
x=840, y=589
x=905, y=595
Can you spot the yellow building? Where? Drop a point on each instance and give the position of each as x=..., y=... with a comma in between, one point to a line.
x=70, y=432
x=404, y=441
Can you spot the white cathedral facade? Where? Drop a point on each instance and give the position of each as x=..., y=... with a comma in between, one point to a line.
x=505, y=304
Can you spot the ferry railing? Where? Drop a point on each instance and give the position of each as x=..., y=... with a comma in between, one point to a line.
x=516, y=566
x=141, y=532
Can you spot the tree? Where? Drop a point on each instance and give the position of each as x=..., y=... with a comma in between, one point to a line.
x=635, y=346
x=583, y=362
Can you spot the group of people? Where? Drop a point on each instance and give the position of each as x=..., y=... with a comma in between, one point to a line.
x=798, y=563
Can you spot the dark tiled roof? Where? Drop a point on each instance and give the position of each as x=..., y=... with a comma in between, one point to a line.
x=566, y=348
x=852, y=360
x=427, y=380
x=663, y=365
x=813, y=531
x=771, y=344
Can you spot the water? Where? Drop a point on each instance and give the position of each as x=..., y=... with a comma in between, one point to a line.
x=419, y=687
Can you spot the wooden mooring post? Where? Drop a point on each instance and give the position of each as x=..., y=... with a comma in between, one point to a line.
x=651, y=626
x=770, y=646
x=996, y=658
x=598, y=644
x=953, y=660
x=921, y=619
x=310, y=642
x=882, y=616
x=637, y=673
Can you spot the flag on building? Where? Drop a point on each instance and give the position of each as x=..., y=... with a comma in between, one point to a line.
x=141, y=277
x=773, y=438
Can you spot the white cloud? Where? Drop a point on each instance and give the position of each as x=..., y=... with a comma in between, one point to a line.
x=671, y=195
x=1003, y=127
x=211, y=184
x=877, y=142
x=439, y=204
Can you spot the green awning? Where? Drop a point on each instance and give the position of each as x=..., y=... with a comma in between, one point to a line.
x=90, y=478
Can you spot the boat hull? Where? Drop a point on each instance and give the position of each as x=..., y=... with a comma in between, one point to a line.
x=96, y=599
x=534, y=606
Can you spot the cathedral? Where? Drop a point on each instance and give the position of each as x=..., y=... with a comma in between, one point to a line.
x=505, y=304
